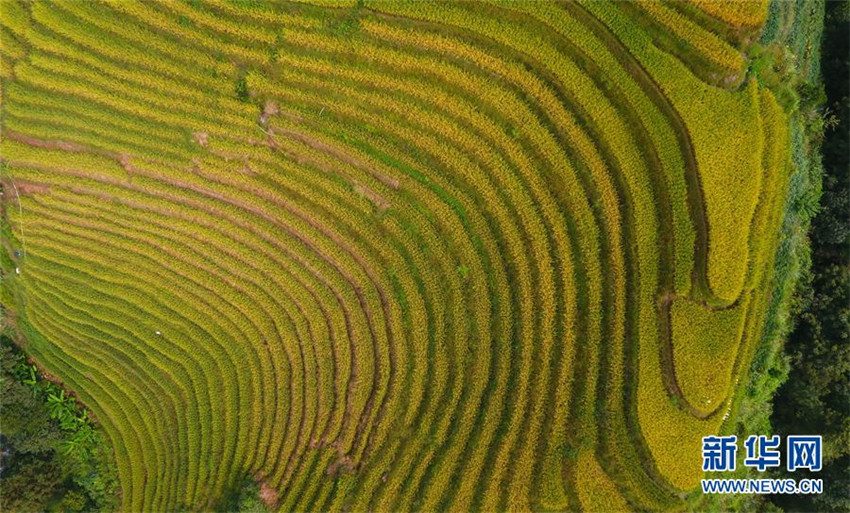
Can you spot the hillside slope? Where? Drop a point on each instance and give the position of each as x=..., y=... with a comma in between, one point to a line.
x=393, y=256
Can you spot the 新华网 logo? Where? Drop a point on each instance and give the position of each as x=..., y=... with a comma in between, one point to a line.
x=719, y=453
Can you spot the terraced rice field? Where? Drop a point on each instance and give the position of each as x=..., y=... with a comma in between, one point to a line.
x=392, y=256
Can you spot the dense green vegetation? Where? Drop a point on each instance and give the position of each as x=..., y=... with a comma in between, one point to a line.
x=397, y=256
x=51, y=456
x=816, y=397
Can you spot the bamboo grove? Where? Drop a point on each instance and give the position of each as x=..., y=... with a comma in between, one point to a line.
x=392, y=256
